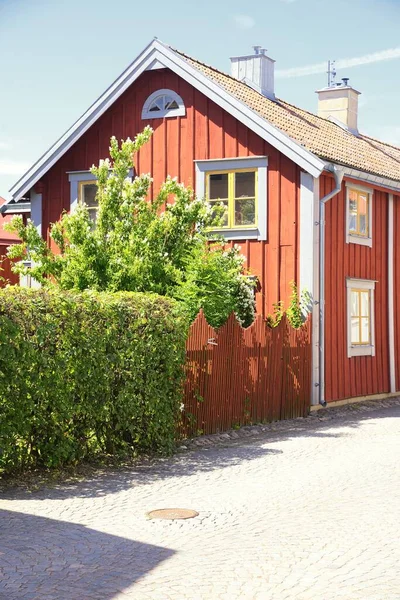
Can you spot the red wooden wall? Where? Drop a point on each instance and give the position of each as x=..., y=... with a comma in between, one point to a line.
x=205, y=132
x=396, y=284
x=361, y=375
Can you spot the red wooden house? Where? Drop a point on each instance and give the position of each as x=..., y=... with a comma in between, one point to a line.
x=309, y=198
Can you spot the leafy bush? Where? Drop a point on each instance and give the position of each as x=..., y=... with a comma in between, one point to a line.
x=140, y=245
x=87, y=373
x=214, y=282
x=300, y=305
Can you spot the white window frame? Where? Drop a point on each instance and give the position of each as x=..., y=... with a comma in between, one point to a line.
x=361, y=349
x=76, y=178
x=258, y=232
x=175, y=112
x=352, y=238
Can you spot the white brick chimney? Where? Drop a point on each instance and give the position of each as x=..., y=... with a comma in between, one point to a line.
x=339, y=102
x=257, y=70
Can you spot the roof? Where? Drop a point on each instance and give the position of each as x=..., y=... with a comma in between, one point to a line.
x=159, y=55
x=12, y=207
x=306, y=139
x=320, y=136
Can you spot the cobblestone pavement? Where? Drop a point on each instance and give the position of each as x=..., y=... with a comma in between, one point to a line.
x=307, y=509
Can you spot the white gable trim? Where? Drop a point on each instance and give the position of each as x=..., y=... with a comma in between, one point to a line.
x=154, y=55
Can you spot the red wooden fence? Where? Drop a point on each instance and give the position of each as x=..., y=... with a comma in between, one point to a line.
x=237, y=376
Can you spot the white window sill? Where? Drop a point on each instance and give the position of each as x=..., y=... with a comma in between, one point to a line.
x=248, y=233
x=361, y=351
x=358, y=239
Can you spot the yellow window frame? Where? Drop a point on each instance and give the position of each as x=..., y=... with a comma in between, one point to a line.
x=82, y=184
x=360, y=316
x=231, y=196
x=358, y=231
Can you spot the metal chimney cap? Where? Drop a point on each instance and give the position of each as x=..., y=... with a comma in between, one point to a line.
x=259, y=50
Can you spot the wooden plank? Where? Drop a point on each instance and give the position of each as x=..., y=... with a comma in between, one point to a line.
x=187, y=135
x=201, y=129
x=230, y=136
x=215, y=132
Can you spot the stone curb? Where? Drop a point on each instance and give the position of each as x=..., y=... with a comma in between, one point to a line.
x=301, y=423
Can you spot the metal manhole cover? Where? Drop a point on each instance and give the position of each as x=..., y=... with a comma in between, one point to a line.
x=172, y=514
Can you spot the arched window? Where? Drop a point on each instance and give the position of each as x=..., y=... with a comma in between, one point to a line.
x=163, y=103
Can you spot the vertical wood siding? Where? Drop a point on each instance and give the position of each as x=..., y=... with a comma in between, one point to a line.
x=362, y=375
x=205, y=132
x=396, y=286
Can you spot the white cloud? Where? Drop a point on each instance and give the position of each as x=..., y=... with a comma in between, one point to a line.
x=3, y=146
x=344, y=63
x=244, y=21
x=13, y=167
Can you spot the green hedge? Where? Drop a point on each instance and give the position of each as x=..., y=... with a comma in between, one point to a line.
x=87, y=373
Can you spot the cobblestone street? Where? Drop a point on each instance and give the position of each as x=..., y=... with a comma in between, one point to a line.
x=305, y=510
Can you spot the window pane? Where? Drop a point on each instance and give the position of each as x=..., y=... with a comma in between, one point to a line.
x=157, y=104
x=353, y=207
x=353, y=196
x=92, y=214
x=245, y=212
x=354, y=304
x=171, y=104
x=218, y=186
x=363, y=225
x=365, y=304
x=365, y=331
x=355, y=331
x=352, y=211
x=362, y=204
x=358, y=213
x=245, y=184
x=352, y=222
x=224, y=219
x=89, y=192
x=153, y=108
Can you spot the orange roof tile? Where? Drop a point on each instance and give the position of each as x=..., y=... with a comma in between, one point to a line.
x=320, y=136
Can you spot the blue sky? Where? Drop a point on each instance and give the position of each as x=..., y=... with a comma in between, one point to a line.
x=56, y=58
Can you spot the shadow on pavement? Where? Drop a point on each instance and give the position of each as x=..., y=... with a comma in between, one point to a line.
x=144, y=472
x=228, y=453
x=47, y=559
